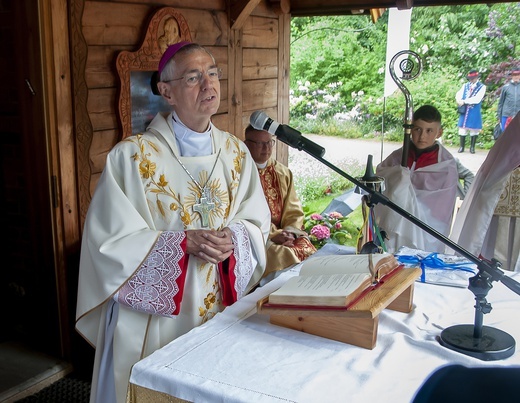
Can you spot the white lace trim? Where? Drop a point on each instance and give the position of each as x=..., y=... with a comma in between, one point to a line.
x=154, y=285
x=242, y=252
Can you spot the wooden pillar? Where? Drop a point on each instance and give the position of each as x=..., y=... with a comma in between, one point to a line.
x=284, y=63
x=235, y=57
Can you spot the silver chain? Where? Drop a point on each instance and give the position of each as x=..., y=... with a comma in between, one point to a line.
x=201, y=188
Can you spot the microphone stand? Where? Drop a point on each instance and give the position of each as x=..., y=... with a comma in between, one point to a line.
x=482, y=342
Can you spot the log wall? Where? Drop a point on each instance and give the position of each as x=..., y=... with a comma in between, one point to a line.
x=254, y=59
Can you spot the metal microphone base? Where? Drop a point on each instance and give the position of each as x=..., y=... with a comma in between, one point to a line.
x=494, y=344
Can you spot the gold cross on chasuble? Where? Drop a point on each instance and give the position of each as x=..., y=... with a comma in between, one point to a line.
x=203, y=207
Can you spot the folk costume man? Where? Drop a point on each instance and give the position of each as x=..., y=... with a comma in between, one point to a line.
x=176, y=228
x=288, y=244
x=509, y=102
x=426, y=187
x=471, y=95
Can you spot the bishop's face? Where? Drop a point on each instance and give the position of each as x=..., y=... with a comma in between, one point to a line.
x=194, y=89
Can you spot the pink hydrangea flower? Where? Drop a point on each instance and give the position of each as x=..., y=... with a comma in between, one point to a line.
x=320, y=232
x=316, y=216
x=337, y=225
x=335, y=214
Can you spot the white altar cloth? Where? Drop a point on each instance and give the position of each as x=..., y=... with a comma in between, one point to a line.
x=238, y=356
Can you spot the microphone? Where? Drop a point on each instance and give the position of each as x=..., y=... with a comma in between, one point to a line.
x=260, y=121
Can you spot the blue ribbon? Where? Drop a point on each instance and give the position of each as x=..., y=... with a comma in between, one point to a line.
x=432, y=261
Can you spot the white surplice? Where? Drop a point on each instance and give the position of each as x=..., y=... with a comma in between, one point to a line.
x=473, y=221
x=428, y=193
x=133, y=245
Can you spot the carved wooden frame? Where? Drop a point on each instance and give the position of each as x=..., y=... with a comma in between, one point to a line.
x=146, y=59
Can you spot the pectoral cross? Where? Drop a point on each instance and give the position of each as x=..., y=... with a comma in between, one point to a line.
x=203, y=207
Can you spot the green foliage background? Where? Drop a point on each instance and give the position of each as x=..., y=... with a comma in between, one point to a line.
x=338, y=68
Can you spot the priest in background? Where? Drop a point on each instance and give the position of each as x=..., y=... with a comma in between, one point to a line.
x=175, y=231
x=287, y=244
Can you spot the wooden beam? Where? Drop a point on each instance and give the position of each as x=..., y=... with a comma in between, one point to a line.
x=235, y=80
x=404, y=4
x=375, y=13
x=284, y=63
x=239, y=11
x=280, y=6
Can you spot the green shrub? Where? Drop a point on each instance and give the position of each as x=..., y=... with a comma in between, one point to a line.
x=338, y=69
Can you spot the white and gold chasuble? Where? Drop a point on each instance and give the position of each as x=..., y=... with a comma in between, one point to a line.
x=133, y=246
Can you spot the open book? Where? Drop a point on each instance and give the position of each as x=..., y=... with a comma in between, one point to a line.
x=334, y=280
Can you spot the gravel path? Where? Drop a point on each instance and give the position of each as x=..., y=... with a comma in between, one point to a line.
x=344, y=150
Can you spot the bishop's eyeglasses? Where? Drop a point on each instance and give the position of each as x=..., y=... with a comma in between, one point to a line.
x=195, y=77
x=267, y=144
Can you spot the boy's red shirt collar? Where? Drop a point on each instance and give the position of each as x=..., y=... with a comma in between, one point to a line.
x=424, y=157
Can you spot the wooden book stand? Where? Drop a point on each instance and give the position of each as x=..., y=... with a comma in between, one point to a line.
x=356, y=325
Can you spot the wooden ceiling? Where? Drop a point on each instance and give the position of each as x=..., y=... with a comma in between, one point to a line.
x=307, y=8
x=241, y=9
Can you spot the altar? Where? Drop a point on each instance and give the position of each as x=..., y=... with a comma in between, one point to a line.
x=239, y=356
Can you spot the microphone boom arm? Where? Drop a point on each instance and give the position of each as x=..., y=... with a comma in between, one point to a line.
x=466, y=339
x=489, y=270
x=477, y=340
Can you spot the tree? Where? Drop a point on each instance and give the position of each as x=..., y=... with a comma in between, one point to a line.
x=337, y=63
